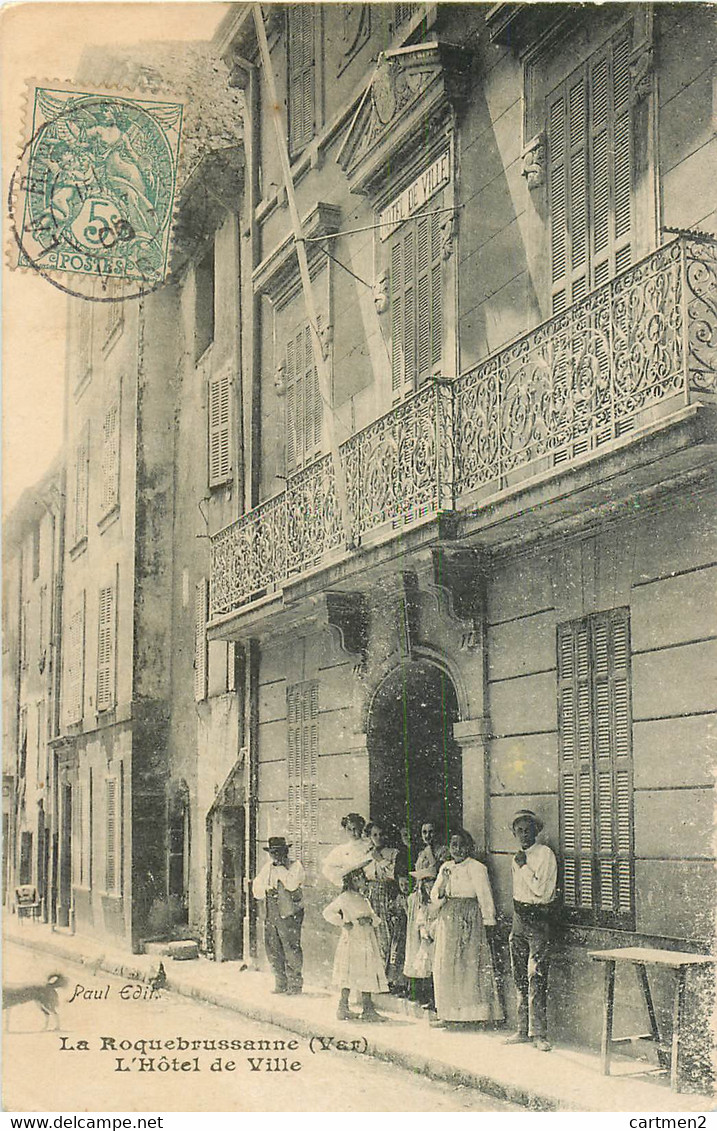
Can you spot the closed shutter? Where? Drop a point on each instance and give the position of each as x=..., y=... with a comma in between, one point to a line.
x=301, y=82
x=416, y=288
x=201, y=648
x=303, y=753
x=220, y=414
x=82, y=475
x=111, y=836
x=589, y=131
x=75, y=664
x=595, y=767
x=110, y=459
x=106, y=648
x=304, y=408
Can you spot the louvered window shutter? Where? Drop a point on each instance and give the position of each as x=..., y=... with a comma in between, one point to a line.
x=293, y=707
x=301, y=82
x=595, y=767
x=416, y=287
x=110, y=459
x=111, y=829
x=303, y=753
x=220, y=414
x=82, y=473
x=106, y=649
x=304, y=408
x=201, y=648
x=590, y=193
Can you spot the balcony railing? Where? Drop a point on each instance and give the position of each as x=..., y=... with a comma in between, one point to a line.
x=633, y=350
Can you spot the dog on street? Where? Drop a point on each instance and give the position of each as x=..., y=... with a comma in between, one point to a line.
x=45, y=995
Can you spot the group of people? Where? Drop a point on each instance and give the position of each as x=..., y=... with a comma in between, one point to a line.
x=423, y=931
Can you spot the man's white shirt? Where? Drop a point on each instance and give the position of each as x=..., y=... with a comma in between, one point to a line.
x=267, y=879
x=535, y=881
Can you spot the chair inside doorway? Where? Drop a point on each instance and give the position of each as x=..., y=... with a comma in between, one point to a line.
x=415, y=771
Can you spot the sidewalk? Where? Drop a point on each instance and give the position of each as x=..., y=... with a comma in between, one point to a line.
x=566, y=1079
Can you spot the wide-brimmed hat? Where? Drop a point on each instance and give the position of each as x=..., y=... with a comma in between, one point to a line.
x=531, y=815
x=275, y=843
x=424, y=874
x=347, y=869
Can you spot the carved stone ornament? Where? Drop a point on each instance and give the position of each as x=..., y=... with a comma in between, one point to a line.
x=280, y=379
x=326, y=333
x=533, y=158
x=381, y=297
x=641, y=70
x=448, y=234
x=348, y=614
x=411, y=91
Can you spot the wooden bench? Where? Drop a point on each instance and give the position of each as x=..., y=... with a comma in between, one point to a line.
x=642, y=957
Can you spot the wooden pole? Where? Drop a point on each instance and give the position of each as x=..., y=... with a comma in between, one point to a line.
x=300, y=243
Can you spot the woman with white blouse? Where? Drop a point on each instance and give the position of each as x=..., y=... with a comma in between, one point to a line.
x=463, y=975
x=353, y=853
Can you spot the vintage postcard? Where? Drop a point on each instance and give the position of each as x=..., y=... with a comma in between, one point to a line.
x=359, y=555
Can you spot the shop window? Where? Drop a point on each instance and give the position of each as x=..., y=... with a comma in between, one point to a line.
x=301, y=81
x=304, y=407
x=204, y=278
x=590, y=162
x=416, y=292
x=303, y=770
x=595, y=723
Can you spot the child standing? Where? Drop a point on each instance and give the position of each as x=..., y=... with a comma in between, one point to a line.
x=397, y=981
x=357, y=965
x=419, y=937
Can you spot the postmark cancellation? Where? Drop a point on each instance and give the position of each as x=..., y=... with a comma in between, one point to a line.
x=94, y=191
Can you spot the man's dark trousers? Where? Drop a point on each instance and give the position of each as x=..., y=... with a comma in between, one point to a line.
x=529, y=960
x=282, y=939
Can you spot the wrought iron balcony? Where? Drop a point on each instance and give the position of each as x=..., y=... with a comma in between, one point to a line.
x=634, y=350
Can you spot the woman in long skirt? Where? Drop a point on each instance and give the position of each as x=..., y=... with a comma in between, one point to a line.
x=380, y=873
x=463, y=975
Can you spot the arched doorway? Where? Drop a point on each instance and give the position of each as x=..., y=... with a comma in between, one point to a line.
x=414, y=762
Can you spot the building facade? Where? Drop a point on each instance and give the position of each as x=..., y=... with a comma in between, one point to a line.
x=507, y=227
x=32, y=594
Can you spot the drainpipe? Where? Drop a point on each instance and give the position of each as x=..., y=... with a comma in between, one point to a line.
x=251, y=778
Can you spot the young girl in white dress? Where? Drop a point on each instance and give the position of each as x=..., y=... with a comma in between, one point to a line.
x=357, y=965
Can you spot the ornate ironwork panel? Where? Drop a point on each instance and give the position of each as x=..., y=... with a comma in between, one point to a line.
x=248, y=557
x=701, y=287
x=313, y=521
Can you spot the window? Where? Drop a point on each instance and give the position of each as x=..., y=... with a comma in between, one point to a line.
x=24, y=620
x=201, y=652
x=40, y=747
x=110, y=459
x=22, y=751
x=204, y=303
x=303, y=772
x=75, y=664
x=301, y=76
x=112, y=835
x=84, y=350
x=304, y=408
x=25, y=871
x=82, y=478
x=590, y=173
x=596, y=769
x=35, y=551
x=114, y=311
x=106, y=640
x=220, y=429
x=416, y=282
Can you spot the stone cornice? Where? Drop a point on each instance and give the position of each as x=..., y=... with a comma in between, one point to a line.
x=411, y=87
x=278, y=273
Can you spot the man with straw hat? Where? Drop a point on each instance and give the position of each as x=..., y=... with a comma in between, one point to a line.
x=279, y=884
x=535, y=872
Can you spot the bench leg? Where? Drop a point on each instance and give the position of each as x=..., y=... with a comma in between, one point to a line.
x=677, y=1028
x=608, y=1009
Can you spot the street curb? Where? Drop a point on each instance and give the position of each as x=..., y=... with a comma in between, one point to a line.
x=412, y=1062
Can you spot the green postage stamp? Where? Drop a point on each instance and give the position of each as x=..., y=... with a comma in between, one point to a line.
x=96, y=186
